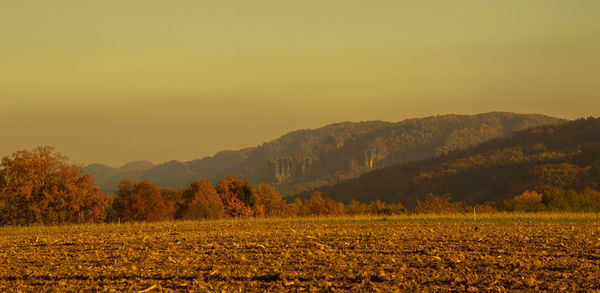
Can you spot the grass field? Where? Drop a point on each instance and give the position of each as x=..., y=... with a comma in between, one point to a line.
x=499, y=252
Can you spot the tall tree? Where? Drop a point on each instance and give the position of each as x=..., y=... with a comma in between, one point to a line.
x=269, y=202
x=319, y=205
x=39, y=186
x=201, y=201
x=142, y=201
x=237, y=196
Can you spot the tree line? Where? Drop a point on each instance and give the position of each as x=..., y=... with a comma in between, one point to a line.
x=40, y=187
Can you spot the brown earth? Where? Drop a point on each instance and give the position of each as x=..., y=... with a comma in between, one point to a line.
x=299, y=256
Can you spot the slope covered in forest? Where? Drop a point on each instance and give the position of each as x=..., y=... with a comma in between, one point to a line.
x=304, y=159
x=564, y=156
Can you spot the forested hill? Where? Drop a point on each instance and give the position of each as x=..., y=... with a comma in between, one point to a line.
x=564, y=157
x=304, y=159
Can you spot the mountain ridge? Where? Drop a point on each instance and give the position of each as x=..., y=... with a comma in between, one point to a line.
x=562, y=156
x=306, y=158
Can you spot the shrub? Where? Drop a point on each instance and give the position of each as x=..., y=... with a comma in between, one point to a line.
x=528, y=201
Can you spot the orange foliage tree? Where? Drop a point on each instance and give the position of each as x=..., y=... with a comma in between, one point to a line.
x=298, y=208
x=39, y=186
x=269, y=202
x=237, y=196
x=142, y=201
x=528, y=201
x=173, y=195
x=356, y=208
x=378, y=207
x=201, y=201
x=319, y=205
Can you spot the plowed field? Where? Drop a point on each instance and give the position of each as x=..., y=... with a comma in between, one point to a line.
x=302, y=256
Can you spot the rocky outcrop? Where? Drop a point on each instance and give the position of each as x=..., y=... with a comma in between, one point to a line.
x=289, y=168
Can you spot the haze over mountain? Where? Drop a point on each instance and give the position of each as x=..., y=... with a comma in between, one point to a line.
x=564, y=156
x=304, y=159
x=116, y=81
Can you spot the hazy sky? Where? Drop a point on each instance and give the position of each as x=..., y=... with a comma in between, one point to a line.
x=115, y=81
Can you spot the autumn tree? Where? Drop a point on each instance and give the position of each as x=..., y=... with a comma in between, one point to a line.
x=319, y=205
x=558, y=199
x=378, y=207
x=485, y=208
x=142, y=201
x=528, y=201
x=356, y=208
x=201, y=201
x=39, y=186
x=595, y=194
x=269, y=203
x=298, y=209
x=237, y=196
x=174, y=197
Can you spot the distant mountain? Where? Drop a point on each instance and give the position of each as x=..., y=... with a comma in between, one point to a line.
x=304, y=159
x=136, y=166
x=108, y=177
x=565, y=156
x=101, y=173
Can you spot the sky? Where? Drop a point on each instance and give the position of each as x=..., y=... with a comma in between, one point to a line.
x=116, y=81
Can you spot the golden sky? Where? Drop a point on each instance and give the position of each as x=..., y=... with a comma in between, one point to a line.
x=114, y=81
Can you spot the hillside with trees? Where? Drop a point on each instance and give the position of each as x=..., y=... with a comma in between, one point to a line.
x=305, y=159
x=551, y=167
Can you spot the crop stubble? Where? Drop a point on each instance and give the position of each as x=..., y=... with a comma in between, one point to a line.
x=297, y=256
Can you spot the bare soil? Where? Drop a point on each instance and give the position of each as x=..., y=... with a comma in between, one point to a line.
x=302, y=256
